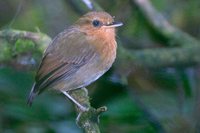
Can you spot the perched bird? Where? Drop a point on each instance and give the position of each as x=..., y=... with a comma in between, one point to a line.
x=78, y=56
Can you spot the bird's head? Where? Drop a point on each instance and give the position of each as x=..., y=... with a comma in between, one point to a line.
x=98, y=23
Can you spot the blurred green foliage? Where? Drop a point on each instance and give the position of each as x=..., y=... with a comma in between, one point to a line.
x=165, y=97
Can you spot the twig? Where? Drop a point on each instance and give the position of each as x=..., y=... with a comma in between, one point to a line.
x=163, y=27
x=89, y=4
x=85, y=6
x=19, y=8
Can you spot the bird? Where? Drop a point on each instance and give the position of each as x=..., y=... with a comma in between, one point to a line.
x=77, y=56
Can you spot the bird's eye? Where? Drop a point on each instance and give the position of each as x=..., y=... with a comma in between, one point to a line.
x=96, y=23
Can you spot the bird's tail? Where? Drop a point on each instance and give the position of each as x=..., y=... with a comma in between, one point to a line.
x=31, y=96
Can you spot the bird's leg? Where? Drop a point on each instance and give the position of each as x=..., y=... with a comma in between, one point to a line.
x=81, y=107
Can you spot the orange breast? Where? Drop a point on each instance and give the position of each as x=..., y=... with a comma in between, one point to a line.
x=105, y=44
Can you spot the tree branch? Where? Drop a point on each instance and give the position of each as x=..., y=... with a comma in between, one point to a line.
x=161, y=57
x=40, y=39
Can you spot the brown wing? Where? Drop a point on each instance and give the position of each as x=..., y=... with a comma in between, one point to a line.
x=68, y=52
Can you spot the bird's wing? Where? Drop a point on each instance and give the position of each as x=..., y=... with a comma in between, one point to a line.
x=68, y=52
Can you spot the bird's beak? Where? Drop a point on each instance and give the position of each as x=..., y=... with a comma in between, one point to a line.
x=113, y=24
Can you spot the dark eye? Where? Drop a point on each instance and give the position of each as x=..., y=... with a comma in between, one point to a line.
x=96, y=23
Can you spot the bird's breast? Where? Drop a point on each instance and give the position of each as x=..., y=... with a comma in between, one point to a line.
x=105, y=46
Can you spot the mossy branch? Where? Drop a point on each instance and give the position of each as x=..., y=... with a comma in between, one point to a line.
x=21, y=49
